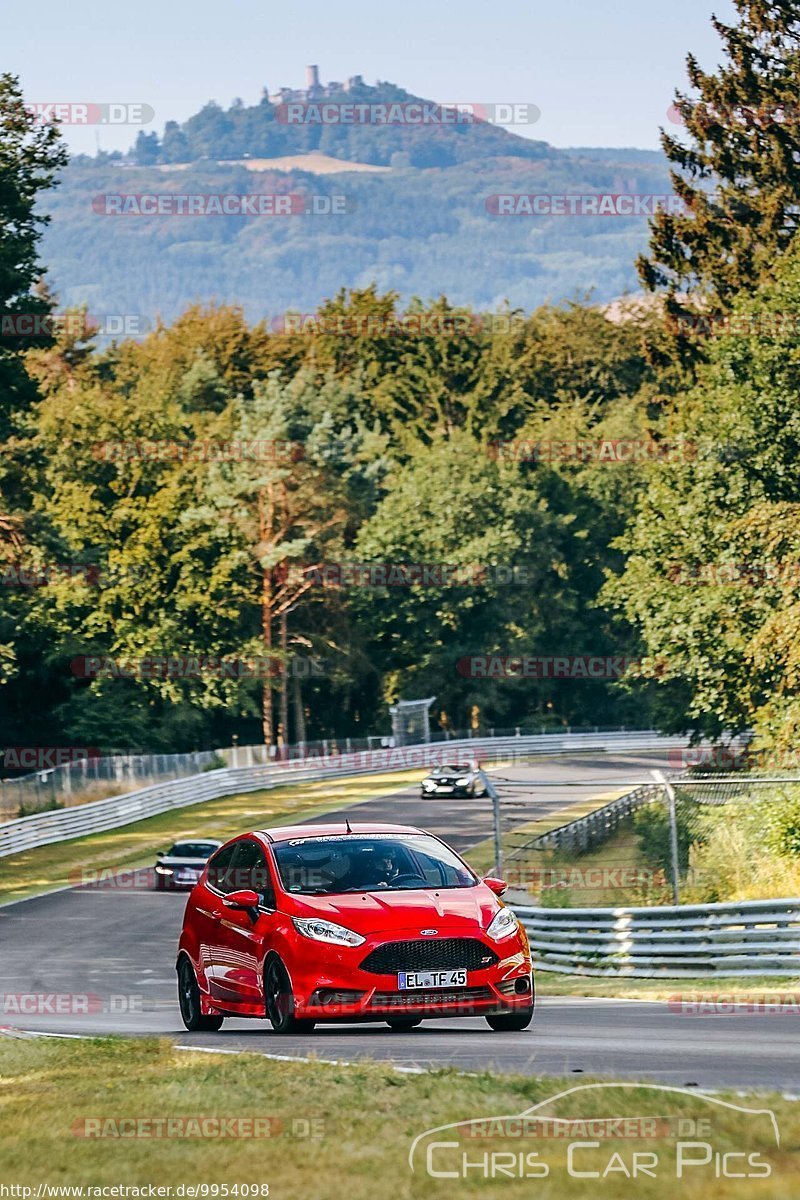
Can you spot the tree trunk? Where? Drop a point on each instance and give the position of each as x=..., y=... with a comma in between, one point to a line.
x=267, y=713
x=283, y=728
x=267, y=718
x=299, y=715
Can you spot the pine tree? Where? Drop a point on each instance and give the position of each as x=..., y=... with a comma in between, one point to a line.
x=738, y=173
x=30, y=156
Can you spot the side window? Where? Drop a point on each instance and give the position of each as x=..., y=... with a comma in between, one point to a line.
x=250, y=872
x=219, y=869
x=437, y=873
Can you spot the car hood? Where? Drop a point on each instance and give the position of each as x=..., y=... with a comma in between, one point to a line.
x=465, y=909
x=169, y=860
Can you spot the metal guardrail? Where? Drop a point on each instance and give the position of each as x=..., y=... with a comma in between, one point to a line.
x=88, y=777
x=754, y=937
x=45, y=828
x=596, y=827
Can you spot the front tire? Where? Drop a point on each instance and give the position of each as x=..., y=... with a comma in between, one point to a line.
x=511, y=1022
x=189, y=1001
x=404, y=1024
x=279, y=1001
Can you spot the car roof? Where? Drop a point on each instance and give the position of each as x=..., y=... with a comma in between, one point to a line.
x=283, y=833
x=197, y=840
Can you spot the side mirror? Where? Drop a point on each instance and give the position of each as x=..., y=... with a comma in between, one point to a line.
x=245, y=899
x=498, y=886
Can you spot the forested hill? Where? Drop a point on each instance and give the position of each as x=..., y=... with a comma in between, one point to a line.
x=382, y=125
x=419, y=232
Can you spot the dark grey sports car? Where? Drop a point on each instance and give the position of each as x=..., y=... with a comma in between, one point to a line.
x=453, y=780
x=182, y=865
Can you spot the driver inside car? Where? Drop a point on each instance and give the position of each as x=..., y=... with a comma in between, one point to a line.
x=385, y=870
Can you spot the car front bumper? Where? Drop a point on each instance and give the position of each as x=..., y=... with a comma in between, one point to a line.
x=341, y=990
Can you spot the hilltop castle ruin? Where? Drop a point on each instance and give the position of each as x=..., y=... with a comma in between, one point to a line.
x=314, y=90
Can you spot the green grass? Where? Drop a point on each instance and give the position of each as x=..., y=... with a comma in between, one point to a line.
x=553, y=983
x=364, y=1116
x=481, y=856
x=50, y=867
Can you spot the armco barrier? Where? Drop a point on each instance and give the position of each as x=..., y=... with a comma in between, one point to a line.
x=43, y=829
x=754, y=937
x=595, y=828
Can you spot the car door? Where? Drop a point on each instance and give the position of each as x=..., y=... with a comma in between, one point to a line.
x=207, y=904
x=238, y=953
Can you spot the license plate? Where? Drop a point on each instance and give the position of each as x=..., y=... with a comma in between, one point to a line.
x=444, y=787
x=187, y=875
x=413, y=980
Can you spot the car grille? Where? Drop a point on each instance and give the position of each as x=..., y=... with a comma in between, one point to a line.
x=429, y=998
x=440, y=955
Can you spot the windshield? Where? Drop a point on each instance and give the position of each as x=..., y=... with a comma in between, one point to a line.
x=454, y=770
x=322, y=866
x=193, y=849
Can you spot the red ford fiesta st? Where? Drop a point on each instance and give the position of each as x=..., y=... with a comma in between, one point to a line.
x=331, y=923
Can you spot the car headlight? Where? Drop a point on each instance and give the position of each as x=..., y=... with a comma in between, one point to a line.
x=502, y=925
x=326, y=931
x=164, y=870
x=465, y=779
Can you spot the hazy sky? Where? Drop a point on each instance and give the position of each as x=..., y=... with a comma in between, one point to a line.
x=601, y=72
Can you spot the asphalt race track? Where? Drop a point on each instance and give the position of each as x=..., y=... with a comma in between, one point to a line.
x=103, y=962
x=463, y=822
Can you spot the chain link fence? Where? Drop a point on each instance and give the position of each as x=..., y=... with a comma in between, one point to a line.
x=95, y=779
x=684, y=838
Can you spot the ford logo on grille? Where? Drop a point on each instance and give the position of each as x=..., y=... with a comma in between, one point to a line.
x=428, y=932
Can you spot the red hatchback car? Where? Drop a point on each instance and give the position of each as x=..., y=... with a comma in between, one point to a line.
x=313, y=923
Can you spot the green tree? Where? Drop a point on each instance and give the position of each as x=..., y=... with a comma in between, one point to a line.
x=737, y=170
x=711, y=579
x=31, y=154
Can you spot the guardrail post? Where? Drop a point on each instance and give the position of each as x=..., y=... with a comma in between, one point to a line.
x=493, y=793
x=661, y=778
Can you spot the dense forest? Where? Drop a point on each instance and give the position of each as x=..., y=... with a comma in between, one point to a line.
x=401, y=498
x=417, y=232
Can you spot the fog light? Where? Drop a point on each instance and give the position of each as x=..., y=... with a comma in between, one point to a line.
x=522, y=985
x=328, y=997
